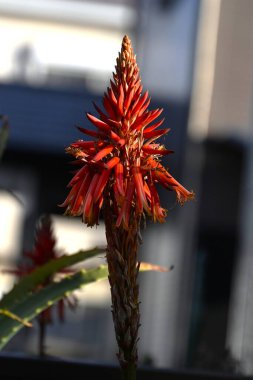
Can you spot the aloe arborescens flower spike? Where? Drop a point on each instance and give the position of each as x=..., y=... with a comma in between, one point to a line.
x=119, y=170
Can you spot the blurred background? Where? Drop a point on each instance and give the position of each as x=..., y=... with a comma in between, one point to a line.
x=196, y=60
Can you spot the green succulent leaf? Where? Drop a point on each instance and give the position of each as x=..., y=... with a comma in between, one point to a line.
x=29, y=282
x=23, y=304
x=40, y=300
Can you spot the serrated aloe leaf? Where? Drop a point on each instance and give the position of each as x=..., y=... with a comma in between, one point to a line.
x=36, y=302
x=29, y=282
x=4, y=133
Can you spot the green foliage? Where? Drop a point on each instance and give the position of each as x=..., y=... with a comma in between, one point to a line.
x=27, y=300
x=29, y=282
x=34, y=303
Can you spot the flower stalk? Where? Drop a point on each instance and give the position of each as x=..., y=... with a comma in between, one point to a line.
x=123, y=268
x=119, y=170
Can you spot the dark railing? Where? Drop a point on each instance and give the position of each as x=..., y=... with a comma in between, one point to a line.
x=14, y=367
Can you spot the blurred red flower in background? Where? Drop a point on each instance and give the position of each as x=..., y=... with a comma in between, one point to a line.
x=43, y=251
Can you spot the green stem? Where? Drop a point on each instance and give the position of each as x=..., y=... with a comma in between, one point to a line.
x=129, y=372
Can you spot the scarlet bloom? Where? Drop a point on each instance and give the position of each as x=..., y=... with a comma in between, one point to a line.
x=43, y=251
x=123, y=156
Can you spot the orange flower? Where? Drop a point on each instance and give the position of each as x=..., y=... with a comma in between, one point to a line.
x=123, y=157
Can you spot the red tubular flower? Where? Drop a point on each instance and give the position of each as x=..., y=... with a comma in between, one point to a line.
x=123, y=155
x=119, y=171
x=43, y=251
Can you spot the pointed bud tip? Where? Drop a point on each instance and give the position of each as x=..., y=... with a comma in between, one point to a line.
x=126, y=43
x=126, y=39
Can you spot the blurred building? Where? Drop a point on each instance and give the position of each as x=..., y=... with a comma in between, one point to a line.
x=220, y=127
